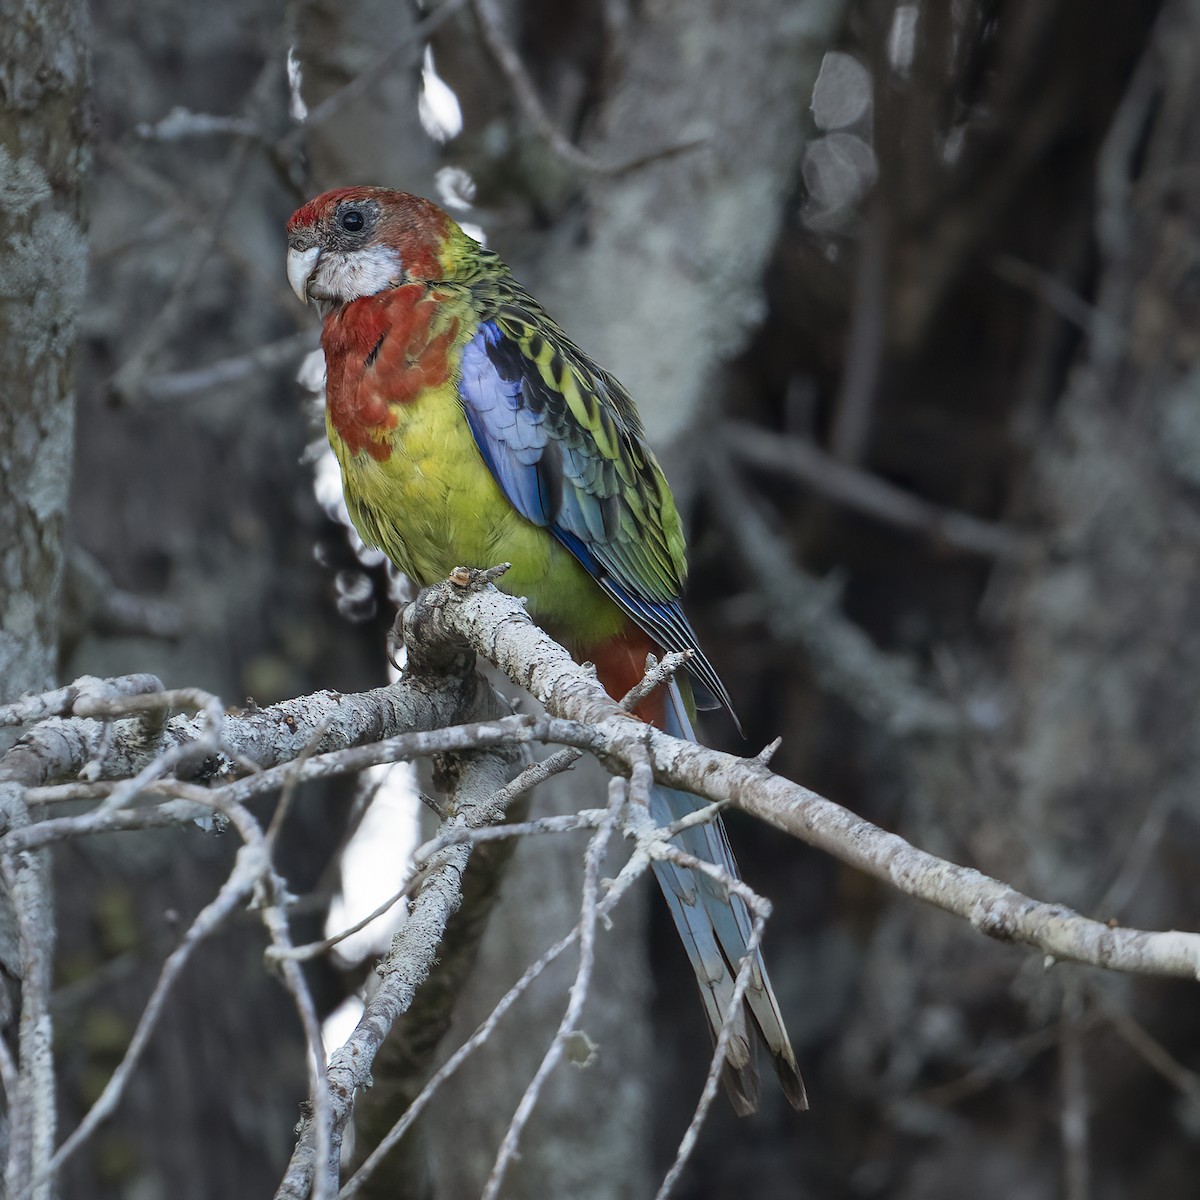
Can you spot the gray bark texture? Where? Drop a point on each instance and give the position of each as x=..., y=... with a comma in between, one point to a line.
x=44, y=158
x=44, y=155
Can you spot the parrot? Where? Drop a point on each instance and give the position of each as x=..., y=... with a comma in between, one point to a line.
x=470, y=430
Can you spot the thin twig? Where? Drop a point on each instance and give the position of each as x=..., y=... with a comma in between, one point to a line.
x=182, y=209
x=491, y=26
x=658, y=672
x=247, y=871
x=863, y=359
x=316, y=949
x=127, y=380
x=61, y=829
x=804, y=611
x=1073, y=1107
x=380, y=68
x=61, y=702
x=181, y=123
x=1149, y=1048
x=93, y=601
x=761, y=910
x=403, y=970
x=325, y=1174
x=33, y=1102
x=158, y=705
x=593, y=860
x=175, y=385
x=629, y=875
x=476, y=735
x=699, y=816
x=1056, y=295
x=1002, y=1062
x=571, y=823
x=499, y=628
x=807, y=464
x=292, y=781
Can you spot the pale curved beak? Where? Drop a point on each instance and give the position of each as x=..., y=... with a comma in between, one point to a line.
x=300, y=267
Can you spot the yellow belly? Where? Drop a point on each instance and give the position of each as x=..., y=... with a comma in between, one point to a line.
x=432, y=505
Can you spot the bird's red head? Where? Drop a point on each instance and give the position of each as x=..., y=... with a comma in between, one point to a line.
x=358, y=241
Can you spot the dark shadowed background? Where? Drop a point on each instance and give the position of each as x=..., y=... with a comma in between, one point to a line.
x=908, y=295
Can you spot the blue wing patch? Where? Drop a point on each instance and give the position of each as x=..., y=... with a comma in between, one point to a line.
x=554, y=476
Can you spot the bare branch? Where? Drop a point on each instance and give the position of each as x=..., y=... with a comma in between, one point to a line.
x=367, y=78
x=178, y=384
x=316, y=949
x=181, y=208
x=499, y=628
x=324, y=1148
x=58, y=749
x=62, y=701
x=1073, y=1103
x=248, y=869
x=491, y=26
x=632, y=871
x=854, y=410
x=32, y=1104
x=181, y=123
x=1149, y=1048
x=467, y=612
x=93, y=601
x=597, y=846
x=578, y=822
x=61, y=829
x=807, y=464
x=657, y=673
x=804, y=611
x=406, y=965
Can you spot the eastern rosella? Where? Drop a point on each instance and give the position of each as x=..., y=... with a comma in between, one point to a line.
x=471, y=430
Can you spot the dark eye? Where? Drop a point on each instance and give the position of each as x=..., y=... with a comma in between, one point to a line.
x=352, y=220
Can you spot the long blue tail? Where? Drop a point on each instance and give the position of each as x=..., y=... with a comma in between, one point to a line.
x=715, y=928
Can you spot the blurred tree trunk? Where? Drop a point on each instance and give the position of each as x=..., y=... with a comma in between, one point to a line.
x=44, y=155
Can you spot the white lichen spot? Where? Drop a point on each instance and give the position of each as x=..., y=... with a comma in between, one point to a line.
x=49, y=477
x=20, y=616
x=22, y=181
x=47, y=270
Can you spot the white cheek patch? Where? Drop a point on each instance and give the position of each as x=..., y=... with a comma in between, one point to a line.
x=347, y=275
